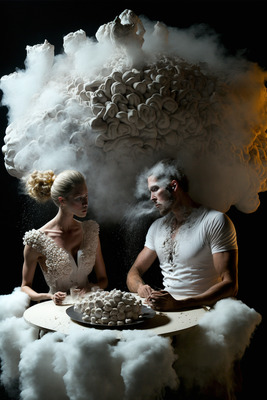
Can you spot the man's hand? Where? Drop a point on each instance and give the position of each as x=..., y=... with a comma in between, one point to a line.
x=144, y=290
x=162, y=301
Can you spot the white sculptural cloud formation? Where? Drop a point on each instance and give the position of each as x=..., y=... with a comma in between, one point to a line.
x=141, y=92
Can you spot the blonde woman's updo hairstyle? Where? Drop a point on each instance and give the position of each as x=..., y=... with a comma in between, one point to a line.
x=38, y=185
x=43, y=186
x=64, y=183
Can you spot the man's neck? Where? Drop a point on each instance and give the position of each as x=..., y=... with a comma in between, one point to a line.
x=183, y=208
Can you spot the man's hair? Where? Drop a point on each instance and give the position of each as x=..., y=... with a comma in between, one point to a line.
x=164, y=171
x=168, y=170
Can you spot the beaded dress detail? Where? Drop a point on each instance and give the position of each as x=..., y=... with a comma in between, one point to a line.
x=60, y=269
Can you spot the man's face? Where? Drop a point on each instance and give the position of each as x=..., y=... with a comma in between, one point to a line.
x=161, y=197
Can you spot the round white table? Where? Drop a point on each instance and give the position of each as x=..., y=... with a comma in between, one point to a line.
x=48, y=316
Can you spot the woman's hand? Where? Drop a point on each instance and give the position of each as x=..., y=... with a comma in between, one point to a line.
x=58, y=297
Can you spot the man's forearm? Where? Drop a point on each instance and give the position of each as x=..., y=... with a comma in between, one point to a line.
x=164, y=301
x=134, y=281
x=211, y=296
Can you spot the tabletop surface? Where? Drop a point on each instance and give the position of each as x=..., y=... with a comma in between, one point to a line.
x=47, y=315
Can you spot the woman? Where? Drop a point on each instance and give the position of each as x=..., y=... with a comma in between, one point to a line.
x=67, y=250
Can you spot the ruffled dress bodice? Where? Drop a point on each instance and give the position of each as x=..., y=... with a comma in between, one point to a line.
x=60, y=270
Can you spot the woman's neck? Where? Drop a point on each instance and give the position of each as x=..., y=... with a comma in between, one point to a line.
x=64, y=221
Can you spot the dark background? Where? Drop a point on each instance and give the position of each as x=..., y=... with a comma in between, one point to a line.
x=241, y=25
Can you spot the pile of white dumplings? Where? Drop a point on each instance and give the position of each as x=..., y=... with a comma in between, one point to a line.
x=109, y=308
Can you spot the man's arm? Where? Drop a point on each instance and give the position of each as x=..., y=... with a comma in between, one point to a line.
x=142, y=263
x=226, y=265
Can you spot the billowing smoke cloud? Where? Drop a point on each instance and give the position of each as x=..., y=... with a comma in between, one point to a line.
x=94, y=365
x=140, y=92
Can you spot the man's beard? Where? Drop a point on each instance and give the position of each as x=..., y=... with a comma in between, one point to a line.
x=166, y=209
x=167, y=205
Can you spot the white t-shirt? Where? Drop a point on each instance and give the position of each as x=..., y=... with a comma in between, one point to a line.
x=191, y=270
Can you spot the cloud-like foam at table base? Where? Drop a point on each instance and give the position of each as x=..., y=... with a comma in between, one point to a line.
x=94, y=365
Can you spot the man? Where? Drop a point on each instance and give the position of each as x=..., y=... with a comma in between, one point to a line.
x=196, y=247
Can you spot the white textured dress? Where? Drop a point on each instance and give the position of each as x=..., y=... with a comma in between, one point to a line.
x=60, y=270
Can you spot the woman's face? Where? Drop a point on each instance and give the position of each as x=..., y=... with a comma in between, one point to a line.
x=77, y=200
